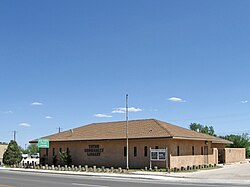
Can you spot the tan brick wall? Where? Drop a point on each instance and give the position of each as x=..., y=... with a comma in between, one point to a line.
x=190, y=160
x=2, y=150
x=113, y=151
x=235, y=155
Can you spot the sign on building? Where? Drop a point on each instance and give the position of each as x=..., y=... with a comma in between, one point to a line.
x=94, y=150
x=43, y=143
x=158, y=155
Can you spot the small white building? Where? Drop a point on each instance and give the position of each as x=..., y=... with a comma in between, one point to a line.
x=3, y=147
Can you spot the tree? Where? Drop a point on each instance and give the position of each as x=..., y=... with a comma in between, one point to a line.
x=23, y=151
x=239, y=141
x=66, y=157
x=13, y=154
x=203, y=129
x=33, y=148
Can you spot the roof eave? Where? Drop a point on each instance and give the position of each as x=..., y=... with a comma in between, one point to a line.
x=203, y=139
x=103, y=139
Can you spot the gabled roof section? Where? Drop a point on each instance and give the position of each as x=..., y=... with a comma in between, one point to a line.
x=182, y=133
x=137, y=129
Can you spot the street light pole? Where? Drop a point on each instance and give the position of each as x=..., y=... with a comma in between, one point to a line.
x=127, y=128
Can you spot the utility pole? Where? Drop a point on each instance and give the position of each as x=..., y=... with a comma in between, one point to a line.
x=127, y=128
x=59, y=129
x=14, y=135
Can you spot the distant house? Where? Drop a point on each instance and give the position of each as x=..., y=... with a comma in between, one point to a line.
x=104, y=144
x=3, y=147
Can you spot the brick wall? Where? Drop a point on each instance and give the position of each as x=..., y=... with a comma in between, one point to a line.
x=190, y=160
x=112, y=151
x=234, y=155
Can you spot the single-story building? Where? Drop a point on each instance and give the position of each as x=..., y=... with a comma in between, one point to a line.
x=104, y=144
x=3, y=147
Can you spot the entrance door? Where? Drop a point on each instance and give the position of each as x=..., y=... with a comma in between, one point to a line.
x=221, y=155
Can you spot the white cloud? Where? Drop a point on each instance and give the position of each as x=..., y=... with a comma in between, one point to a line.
x=24, y=124
x=48, y=117
x=8, y=112
x=244, y=102
x=102, y=116
x=36, y=104
x=176, y=99
x=122, y=110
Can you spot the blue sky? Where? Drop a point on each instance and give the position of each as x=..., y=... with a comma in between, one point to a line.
x=71, y=63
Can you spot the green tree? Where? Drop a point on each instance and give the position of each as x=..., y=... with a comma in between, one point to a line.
x=239, y=141
x=33, y=148
x=13, y=154
x=23, y=151
x=66, y=157
x=203, y=129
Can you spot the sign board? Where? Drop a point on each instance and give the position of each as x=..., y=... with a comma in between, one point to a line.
x=43, y=143
x=158, y=154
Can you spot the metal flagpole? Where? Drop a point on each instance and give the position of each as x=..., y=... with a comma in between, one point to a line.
x=127, y=128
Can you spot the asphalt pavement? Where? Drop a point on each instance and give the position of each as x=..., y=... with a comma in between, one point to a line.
x=29, y=179
x=237, y=171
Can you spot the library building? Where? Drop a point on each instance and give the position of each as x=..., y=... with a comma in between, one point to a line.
x=151, y=143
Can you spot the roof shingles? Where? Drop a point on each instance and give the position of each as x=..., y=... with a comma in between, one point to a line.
x=137, y=129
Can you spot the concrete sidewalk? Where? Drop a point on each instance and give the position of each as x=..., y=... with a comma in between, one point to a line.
x=229, y=174
x=239, y=171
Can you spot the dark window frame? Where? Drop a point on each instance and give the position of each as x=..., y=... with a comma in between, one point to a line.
x=125, y=151
x=135, y=151
x=145, y=151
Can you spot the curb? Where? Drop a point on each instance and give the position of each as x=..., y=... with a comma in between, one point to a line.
x=92, y=174
x=137, y=176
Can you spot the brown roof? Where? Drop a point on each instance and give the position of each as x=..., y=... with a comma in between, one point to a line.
x=137, y=129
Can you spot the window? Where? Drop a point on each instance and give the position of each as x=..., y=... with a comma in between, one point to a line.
x=53, y=153
x=135, y=151
x=125, y=151
x=156, y=147
x=145, y=151
x=60, y=150
x=47, y=152
x=178, y=151
x=192, y=150
x=67, y=150
x=202, y=151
